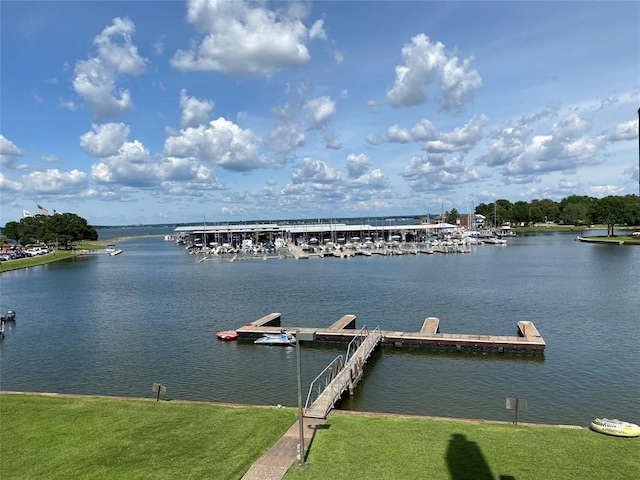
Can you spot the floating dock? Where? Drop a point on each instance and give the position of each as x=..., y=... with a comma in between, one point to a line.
x=527, y=340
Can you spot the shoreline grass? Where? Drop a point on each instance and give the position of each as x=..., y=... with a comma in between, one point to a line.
x=100, y=438
x=46, y=436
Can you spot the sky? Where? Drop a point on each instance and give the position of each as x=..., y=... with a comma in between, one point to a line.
x=149, y=112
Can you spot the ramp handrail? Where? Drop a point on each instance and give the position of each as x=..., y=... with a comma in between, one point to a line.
x=324, y=378
x=356, y=342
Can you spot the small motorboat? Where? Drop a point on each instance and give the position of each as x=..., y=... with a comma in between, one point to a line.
x=9, y=317
x=283, y=338
x=227, y=335
x=615, y=427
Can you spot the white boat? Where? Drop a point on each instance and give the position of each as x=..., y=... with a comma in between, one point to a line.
x=615, y=427
x=112, y=250
x=284, y=338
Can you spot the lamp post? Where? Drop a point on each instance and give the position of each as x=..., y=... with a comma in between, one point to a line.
x=307, y=337
x=300, y=416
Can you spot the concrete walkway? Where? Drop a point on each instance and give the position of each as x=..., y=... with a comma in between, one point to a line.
x=273, y=465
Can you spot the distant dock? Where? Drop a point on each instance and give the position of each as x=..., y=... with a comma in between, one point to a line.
x=527, y=340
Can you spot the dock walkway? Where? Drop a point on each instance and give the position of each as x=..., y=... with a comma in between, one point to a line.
x=273, y=465
x=346, y=379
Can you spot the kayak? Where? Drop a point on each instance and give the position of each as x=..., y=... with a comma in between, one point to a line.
x=615, y=427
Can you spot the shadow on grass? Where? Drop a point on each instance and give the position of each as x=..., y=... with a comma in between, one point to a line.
x=466, y=462
x=314, y=429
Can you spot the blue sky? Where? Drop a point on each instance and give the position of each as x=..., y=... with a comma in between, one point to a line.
x=172, y=111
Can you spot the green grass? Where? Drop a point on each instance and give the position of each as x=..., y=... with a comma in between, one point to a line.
x=54, y=256
x=97, y=438
x=626, y=239
x=34, y=261
x=353, y=446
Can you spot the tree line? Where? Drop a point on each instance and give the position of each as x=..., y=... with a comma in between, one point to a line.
x=573, y=210
x=61, y=229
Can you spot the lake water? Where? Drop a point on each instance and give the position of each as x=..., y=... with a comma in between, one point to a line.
x=114, y=325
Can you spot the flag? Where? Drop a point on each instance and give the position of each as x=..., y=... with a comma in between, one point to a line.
x=25, y=214
x=55, y=212
x=42, y=210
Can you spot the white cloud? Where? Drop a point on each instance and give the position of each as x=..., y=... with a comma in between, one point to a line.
x=320, y=110
x=243, y=38
x=317, y=30
x=134, y=167
x=372, y=106
x=8, y=185
x=96, y=77
x=424, y=130
x=53, y=181
x=374, y=181
x=526, y=153
x=332, y=142
x=105, y=140
x=396, y=134
x=158, y=47
x=433, y=172
x=221, y=142
x=70, y=105
x=194, y=112
x=358, y=165
x=285, y=138
x=338, y=57
x=624, y=131
x=460, y=139
x=8, y=152
x=373, y=139
x=426, y=63
x=315, y=171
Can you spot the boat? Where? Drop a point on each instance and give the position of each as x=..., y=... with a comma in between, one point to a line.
x=615, y=427
x=9, y=317
x=283, y=338
x=227, y=335
x=112, y=250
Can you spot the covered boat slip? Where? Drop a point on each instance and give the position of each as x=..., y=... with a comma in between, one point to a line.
x=306, y=233
x=344, y=330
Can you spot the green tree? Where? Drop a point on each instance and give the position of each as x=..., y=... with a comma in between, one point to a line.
x=610, y=211
x=13, y=231
x=62, y=229
x=452, y=216
x=520, y=212
x=550, y=210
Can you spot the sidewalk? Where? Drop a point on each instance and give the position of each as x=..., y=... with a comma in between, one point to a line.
x=273, y=465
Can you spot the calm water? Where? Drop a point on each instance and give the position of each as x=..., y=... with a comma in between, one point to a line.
x=114, y=325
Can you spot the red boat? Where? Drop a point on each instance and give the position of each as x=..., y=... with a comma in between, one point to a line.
x=227, y=335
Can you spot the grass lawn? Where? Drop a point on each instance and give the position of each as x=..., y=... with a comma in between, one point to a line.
x=97, y=438
x=361, y=447
x=54, y=256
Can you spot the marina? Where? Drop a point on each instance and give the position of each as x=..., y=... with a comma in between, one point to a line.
x=170, y=309
x=318, y=240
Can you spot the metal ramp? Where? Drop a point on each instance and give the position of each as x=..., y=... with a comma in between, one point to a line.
x=342, y=374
